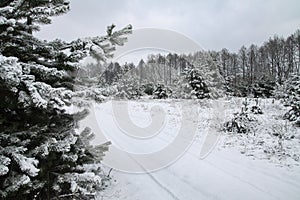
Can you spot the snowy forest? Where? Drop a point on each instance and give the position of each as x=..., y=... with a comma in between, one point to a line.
x=46, y=90
x=254, y=70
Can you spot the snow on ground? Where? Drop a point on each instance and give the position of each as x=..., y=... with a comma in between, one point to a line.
x=239, y=167
x=273, y=139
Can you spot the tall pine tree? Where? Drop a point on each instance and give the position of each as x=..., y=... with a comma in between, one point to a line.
x=42, y=155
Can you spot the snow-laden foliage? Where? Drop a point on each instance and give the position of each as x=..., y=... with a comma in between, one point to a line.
x=191, y=85
x=10, y=73
x=148, y=88
x=197, y=84
x=38, y=86
x=289, y=92
x=209, y=72
x=45, y=157
x=294, y=99
x=263, y=87
x=162, y=92
x=42, y=155
x=16, y=78
x=128, y=88
x=243, y=121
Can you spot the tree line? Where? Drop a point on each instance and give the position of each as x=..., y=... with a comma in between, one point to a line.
x=274, y=61
x=267, y=65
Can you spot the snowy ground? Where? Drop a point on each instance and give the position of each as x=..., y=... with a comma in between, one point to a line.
x=238, y=167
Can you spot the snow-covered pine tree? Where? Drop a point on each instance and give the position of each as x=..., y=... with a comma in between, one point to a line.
x=208, y=69
x=128, y=87
x=42, y=156
x=162, y=92
x=196, y=82
x=291, y=97
x=191, y=84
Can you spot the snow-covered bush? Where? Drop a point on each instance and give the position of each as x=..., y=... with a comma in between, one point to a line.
x=161, y=92
x=242, y=122
x=148, y=88
x=284, y=140
x=275, y=140
x=256, y=109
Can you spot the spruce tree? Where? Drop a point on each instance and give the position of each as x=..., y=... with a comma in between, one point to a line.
x=198, y=86
x=42, y=154
x=292, y=98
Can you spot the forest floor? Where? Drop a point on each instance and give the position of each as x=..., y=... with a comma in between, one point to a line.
x=260, y=165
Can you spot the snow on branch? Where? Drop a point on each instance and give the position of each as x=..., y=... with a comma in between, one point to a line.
x=100, y=47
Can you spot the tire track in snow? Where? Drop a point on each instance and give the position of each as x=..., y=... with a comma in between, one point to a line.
x=265, y=173
x=218, y=168
x=156, y=180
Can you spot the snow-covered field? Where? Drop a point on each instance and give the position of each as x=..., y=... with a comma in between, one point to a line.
x=237, y=167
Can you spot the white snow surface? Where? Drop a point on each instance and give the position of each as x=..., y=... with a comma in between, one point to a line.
x=236, y=168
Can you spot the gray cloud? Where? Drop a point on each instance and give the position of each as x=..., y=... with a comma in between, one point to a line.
x=213, y=24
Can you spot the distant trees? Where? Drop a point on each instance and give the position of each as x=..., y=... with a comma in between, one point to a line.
x=157, y=68
x=275, y=61
x=252, y=70
x=243, y=60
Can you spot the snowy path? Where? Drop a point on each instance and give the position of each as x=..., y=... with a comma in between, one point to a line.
x=223, y=174
x=216, y=177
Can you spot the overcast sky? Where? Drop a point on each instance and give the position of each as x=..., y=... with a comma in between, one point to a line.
x=213, y=24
